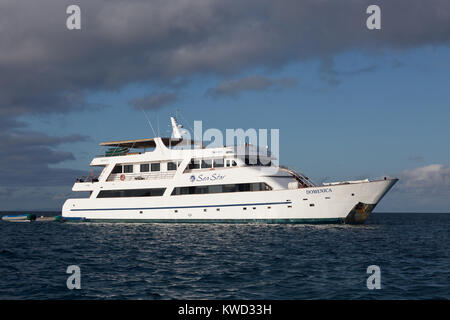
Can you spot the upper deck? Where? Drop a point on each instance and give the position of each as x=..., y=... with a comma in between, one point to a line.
x=161, y=158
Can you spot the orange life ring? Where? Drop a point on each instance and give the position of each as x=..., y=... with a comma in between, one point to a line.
x=122, y=177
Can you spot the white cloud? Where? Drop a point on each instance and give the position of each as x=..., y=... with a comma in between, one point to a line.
x=423, y=189
x=434, y=176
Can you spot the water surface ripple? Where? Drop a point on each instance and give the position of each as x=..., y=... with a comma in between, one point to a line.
x=226, y=261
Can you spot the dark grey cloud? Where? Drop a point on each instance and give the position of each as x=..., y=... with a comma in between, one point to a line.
x=27, y=159
x=233, y=88
x=154, y=101
x=47, y=68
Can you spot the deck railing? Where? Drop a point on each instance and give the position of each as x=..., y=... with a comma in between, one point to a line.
x=86, y=179
x=141, y=176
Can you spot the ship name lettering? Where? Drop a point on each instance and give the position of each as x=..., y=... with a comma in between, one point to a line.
x=318, y=191
x=213, y=177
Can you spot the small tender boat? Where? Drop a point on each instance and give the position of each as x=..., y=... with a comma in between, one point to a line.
x=20, y=217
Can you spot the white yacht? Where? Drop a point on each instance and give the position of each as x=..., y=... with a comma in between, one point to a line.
x=153, y=180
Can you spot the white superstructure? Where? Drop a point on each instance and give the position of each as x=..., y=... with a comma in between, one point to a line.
x=163, y=183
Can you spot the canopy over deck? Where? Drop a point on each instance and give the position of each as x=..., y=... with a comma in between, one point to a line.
x=146, y=143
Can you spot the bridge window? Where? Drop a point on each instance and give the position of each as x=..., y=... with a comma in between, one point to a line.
x=210, y=163
x=257, y=161
x=206, y=164
x=128, y=168
x=117, y=169
x=156, y=166
x=171, y=166
x=194, y=164
x=218, y=163
x=231, y=163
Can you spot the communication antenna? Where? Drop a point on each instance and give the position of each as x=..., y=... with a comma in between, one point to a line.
x=176, y=128
x=184, y=120
x=148, y=120
x=157, y=122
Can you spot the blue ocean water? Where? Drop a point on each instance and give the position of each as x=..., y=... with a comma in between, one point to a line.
x=226, y=261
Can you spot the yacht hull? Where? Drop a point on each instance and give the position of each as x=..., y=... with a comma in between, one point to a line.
x=349, y=203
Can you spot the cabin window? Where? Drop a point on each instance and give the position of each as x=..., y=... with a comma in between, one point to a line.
x=243, y=187
x=258, y=161
x=218, y=163
x=155, y=192
x=259, y=187
x=171, y=166
x=254, y=160
x=194, y=164
x=215, y=189
x=128, y=168
x=156, y=166
x=251, y=160
x=117, y=169
x=206, y=164
x=222, y=188
x=145, y=167
x=231, y=163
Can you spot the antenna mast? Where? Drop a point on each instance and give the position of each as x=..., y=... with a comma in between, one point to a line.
x=148, y=120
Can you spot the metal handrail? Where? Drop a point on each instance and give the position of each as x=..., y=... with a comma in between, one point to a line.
x=84, y=179
x=141, y=176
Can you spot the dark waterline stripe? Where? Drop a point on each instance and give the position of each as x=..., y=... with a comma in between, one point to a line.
x=227, y=221
x=188, y=207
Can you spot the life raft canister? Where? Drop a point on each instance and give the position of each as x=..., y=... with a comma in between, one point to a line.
x=122, y=177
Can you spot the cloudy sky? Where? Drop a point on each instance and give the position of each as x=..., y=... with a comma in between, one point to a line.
x=349, y=102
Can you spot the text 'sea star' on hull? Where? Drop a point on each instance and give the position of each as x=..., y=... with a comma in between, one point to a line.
x=154, y=180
